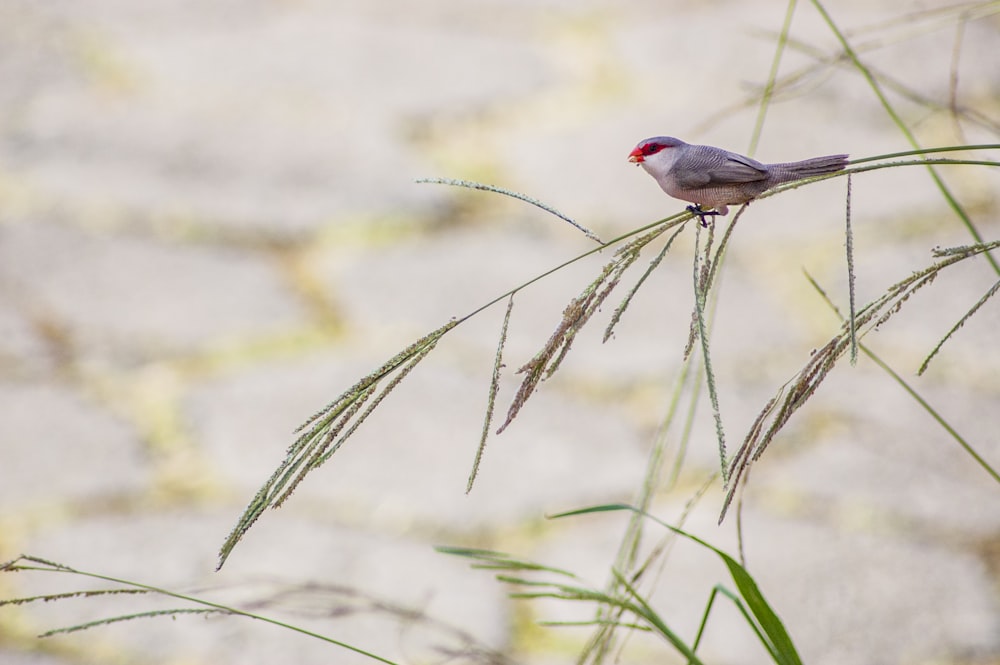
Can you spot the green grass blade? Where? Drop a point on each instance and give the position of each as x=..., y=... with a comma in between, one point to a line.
x=901, y=124
x=933, y=414
x=781, y=643
x=772, y=77
x=784, y=649
x=957, y=251
x=641, y=608
x=41, y=565
x=719, y=589
x=468, y=184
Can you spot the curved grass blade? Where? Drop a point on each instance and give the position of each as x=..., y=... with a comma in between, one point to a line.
x=901, y=124
x=916, y=396
x=719, y=589
x=980, y=460
x=777, y=642
x=799, y=389
x=772, y=79
x=469, y=184
x=31, y=563
x=643, y=609
x=491, y=560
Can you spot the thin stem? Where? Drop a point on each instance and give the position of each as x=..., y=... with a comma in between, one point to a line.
x=866, y=73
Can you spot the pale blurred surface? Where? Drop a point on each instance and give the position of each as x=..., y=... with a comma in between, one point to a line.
x=209, y=228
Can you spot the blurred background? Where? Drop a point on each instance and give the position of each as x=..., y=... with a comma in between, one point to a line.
x=210, y=227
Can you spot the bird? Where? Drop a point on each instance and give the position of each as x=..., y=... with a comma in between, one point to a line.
x=713, y=178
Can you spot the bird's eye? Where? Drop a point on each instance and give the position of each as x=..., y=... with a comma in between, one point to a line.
x=651, y=149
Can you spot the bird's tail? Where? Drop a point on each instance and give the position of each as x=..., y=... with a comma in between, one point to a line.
x=807, y=168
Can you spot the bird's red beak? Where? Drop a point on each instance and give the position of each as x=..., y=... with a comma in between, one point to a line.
x=636, y=156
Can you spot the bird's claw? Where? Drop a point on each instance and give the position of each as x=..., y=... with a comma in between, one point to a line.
x=702, y=214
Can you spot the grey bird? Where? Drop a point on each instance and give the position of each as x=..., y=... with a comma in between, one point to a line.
x=714, y=179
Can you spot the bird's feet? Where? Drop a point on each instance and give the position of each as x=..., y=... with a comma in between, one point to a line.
x=702, y=214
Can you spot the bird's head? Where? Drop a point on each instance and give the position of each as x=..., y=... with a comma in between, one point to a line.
x=653, y=146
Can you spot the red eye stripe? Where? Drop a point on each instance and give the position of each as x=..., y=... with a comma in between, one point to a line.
x=652, y=148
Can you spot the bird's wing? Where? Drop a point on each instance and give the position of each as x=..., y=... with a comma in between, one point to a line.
x=715, y=167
